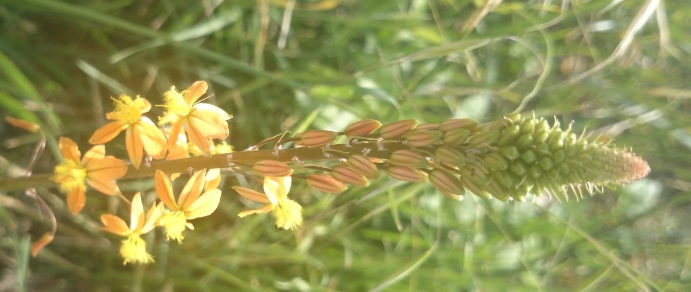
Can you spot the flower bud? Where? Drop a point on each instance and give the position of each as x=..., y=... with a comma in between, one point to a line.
x=455, y=137
x=495, y=161
x=509, y=135
x=361, y=128
x=510, y=152
x=423, y=138
x=450, y=156
x=484, y=139
x=427, y=126
x=349, y=176
x=408, y=158
x=447, y=183
x=406, y=173
x=363, y=166
x=272, y=168
x=528, y=156
x=397, y=129
x=317, y=138
x=453, y=124
x=325, y=183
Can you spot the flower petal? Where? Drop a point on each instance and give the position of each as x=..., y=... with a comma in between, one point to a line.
x=197, y=137
x=195, y=91
x=76, y=200
x=152, y=218
x=95, y=153
x=205, y=205
x=212, y=179
x=151, y=136
x=262, y=210
x=69, y=149
x=102, y=173
x=209, y=124
x=164, y=190
x=192, y=190
x=252, y=195
x=107, y=132
x=137, y=213
x=175, y=128
x=211, y=110
x=114, y=224
x=135, y=148
x=276, y=188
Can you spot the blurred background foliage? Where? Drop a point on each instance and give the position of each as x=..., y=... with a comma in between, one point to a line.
x=620, y=69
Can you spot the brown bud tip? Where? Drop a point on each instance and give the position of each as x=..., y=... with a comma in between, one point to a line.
x=272, y=168
x=325, y=183
x=317, y=138
x=397, y=129
x=361, y=128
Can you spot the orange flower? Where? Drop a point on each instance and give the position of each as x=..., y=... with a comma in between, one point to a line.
x=191, y=203
x=95, y=169
x=287, y=212
x=133, y=249
x=202, y=121
x=142, y=134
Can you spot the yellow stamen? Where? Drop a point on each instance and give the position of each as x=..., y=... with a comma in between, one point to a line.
x=175, y=106
x=133, y=249
x=288, y=214
x=175, y=223
x=127, y=110
x=70, y=175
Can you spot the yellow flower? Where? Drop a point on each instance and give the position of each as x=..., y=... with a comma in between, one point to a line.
x=287, y=212
x=133, y=248
x=141, y=135
x=201, y=121
x=95, y=169
x=190, y=203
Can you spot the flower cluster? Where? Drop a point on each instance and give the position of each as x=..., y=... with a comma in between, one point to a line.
x=184, y=119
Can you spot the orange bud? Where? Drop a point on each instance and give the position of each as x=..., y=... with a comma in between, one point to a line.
x=452, y=124
x=406, y=173
x=41, y=243
x=397, y=129
x=317, y=138
x=363, y=166
x=361, y=128
x=408, y=158
x=272, y=168
x=348, y=175
x=325, y=183
x=447, y=183
x=26, y=125
x=423, y=138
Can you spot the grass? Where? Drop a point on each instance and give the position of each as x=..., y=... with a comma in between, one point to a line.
x=295, y=65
